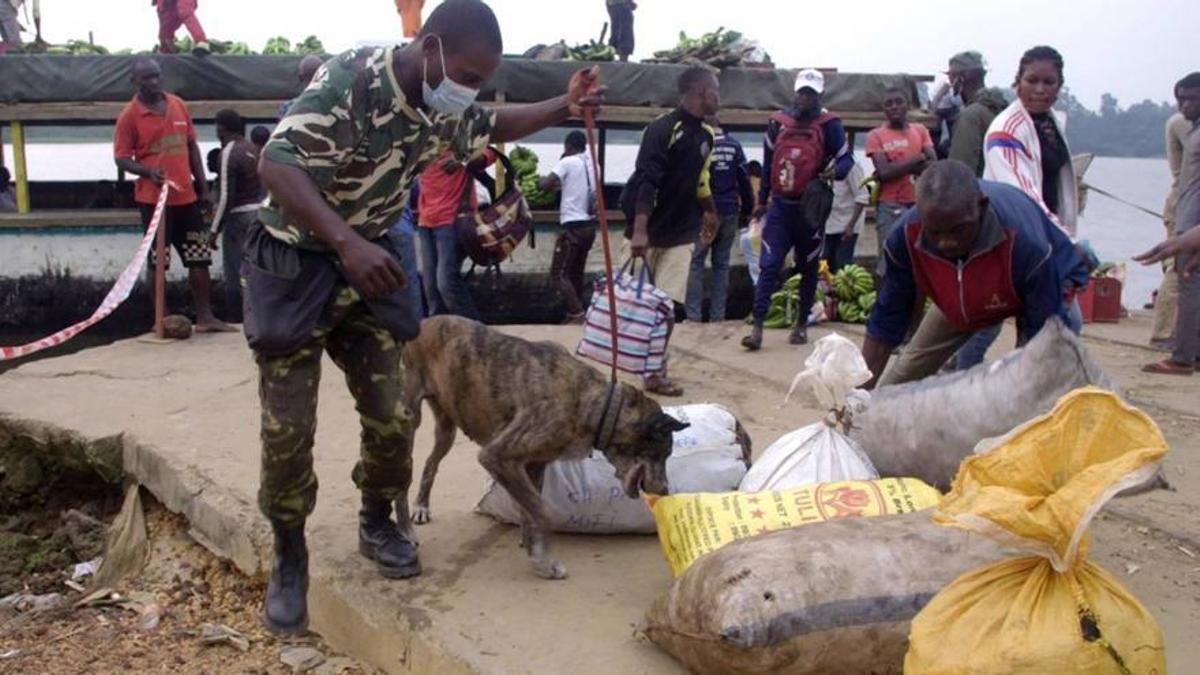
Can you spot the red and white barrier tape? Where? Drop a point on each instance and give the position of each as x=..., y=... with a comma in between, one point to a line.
x=116, y=295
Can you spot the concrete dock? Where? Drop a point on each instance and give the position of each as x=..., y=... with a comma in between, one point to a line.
x=189, y=415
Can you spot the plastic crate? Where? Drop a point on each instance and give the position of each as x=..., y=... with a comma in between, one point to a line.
x=1101, y=301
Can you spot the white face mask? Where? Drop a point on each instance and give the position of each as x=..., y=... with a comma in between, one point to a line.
x=450, y=97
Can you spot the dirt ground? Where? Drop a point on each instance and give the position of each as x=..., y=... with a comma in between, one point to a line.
x=155, y=621
x=477, y=597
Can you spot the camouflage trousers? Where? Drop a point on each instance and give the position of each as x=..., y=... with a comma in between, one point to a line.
x=370, y=358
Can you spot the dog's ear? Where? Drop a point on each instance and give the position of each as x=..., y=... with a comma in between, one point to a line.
x=663, y=425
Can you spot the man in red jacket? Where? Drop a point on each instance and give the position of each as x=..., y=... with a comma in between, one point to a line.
x=982, y=252
x=175, y=13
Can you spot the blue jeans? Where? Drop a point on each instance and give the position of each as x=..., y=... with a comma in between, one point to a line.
x=839, y=249
x=721, y=247
x=405, y=233
x=886, y=215
x=233, y=237
x=787, y=229
x=975, y=350
x=446, y=291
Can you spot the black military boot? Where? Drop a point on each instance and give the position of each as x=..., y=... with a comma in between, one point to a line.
x=799, y=334
x=285, y=611
x=753, y=341
x=379, y=539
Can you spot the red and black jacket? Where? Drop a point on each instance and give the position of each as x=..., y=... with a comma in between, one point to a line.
x=1020, y=265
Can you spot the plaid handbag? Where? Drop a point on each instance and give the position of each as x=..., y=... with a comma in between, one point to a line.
x=644, y=316
x=490, y=234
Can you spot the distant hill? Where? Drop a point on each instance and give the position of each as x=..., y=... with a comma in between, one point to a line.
x=1136, y=131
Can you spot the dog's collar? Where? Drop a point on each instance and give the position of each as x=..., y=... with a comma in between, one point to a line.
x=607, y=426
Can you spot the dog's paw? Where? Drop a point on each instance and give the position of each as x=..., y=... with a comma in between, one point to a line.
x=549, y=568
x=421, y=514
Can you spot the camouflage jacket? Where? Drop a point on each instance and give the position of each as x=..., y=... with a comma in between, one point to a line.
x=355, y=135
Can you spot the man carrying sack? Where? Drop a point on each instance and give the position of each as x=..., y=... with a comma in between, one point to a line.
x=668, y=201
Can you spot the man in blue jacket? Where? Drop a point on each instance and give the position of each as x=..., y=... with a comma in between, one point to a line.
x=802, y=144
x=982, y=252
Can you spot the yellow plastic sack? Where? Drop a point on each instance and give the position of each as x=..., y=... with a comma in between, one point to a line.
x=690, y=525
x=1051, y=612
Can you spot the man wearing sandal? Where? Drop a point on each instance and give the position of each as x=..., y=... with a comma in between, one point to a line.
x=1187, y=217
x=668, y=200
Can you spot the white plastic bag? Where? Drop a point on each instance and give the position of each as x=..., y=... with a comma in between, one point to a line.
x=585, y=496
x=819, y=452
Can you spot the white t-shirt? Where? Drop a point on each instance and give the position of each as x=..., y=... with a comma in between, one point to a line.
x=846, y=194
x=574, y=172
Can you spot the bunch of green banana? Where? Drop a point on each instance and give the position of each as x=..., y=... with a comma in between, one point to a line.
x=718, y=49
x=850, y=312
x=535, y=196
x=591, y=51
x=855, y=290
x=310, y=45
x=852, y=281
x=278, y=45
x=524, y=161
x=229, y=48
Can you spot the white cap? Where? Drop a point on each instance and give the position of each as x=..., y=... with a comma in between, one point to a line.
x=810, y=78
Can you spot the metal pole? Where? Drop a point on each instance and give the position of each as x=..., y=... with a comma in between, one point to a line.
x=22, y=178
x=160, y=278
x=501, y=174
x=603, y=156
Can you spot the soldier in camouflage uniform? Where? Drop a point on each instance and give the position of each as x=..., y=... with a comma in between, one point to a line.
x=322, y=272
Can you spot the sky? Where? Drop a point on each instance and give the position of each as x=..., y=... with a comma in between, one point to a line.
x=1135, y=50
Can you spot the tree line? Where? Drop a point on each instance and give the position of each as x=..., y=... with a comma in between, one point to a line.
x=1113, y=131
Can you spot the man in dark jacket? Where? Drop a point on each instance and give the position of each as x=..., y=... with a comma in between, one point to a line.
x=734, y=198
x=668, y=200
x=982, y=252
x=967, y=72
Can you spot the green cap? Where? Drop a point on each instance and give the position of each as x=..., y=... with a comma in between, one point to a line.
x=964, y=61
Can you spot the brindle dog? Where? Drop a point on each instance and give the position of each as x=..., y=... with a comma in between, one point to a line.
x=527, y=404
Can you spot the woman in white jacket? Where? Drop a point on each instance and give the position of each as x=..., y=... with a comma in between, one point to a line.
x=1026, y=147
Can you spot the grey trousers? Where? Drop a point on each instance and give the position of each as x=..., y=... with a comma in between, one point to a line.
x=1187, y=317
x=10, y=30
x=935, y=341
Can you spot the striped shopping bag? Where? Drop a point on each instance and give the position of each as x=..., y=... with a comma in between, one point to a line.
x=644, y=316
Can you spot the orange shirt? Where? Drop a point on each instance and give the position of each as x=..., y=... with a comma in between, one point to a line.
x=442, y=191
x=159, y=141
x=898, y=145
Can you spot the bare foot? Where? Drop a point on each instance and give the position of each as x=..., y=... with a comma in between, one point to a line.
x=549, y=568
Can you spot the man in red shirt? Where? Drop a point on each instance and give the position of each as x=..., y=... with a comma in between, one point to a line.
x=155, y=139
x=900, y=152
x=443, y=184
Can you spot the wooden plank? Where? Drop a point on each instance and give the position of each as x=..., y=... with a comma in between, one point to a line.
x=107, y=112
x=65, y=218
x=97, y=218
